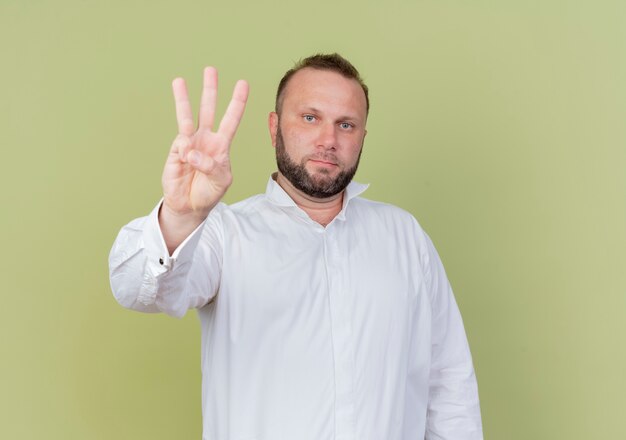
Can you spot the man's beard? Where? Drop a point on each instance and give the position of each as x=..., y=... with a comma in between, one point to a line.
x=320, y=187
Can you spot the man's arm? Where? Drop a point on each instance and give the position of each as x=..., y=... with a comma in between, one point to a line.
x=146, y=278
x=170, y=261
x=453, y=406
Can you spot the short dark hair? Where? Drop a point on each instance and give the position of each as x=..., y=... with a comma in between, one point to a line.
x=333, y=62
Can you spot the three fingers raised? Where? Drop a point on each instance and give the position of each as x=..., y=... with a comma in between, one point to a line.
x=206, y=118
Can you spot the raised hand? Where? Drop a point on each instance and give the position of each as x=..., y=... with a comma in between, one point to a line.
x=197, y=171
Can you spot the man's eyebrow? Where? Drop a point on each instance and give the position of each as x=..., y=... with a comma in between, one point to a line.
x=348, y=117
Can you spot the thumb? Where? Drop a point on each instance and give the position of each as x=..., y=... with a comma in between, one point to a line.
x=201, y=162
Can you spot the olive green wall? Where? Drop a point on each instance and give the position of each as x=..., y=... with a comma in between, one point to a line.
x=499, y=125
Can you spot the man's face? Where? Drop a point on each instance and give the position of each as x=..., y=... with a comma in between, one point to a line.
x=319, y=134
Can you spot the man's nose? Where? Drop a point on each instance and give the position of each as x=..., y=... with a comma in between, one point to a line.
x=327, y=136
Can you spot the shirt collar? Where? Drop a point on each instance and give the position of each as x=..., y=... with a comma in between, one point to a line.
x=277, y=195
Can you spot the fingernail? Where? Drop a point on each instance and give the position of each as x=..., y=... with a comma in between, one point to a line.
x=193, y=157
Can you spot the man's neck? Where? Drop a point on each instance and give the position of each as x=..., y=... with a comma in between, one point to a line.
x=321, y=211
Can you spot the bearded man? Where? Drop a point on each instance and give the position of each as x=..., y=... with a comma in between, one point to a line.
x=324, y=315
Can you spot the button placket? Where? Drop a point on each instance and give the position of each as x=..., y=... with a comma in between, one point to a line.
x=342, y=338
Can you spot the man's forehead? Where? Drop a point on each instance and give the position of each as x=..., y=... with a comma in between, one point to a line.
x=320, y=83
x=310, y=77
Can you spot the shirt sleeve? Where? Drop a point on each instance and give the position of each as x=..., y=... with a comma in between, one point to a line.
x=144, y=277
x=453, y=406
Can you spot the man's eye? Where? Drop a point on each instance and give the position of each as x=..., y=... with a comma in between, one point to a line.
x=345, y=125
x=309, y=118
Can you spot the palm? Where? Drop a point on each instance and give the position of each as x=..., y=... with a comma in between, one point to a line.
x=196, y=186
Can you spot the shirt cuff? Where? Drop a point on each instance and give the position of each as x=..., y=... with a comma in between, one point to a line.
x=159, y=262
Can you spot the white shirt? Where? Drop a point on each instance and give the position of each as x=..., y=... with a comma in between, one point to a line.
x=348, y=332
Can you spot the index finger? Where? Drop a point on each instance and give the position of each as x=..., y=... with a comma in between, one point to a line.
x=183, y=107
x=234, y=112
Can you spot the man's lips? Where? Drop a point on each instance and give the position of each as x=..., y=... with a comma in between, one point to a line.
x=323, y=162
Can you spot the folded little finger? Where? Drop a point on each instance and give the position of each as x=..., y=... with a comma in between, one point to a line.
x=181, y=145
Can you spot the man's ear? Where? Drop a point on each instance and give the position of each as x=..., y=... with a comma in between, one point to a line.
x=272, y=122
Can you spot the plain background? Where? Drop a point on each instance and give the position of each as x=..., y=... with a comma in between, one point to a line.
x=499, y=124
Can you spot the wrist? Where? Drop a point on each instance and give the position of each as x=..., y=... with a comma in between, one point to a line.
x=182, y=218
x=176, y=226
